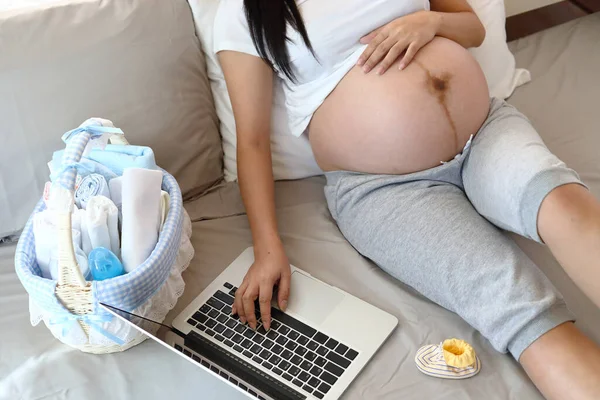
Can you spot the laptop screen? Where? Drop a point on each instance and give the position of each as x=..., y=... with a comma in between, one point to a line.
x=222, y=387
x=144, y=325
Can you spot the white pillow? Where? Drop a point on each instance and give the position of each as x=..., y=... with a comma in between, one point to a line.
x=293, y=157
x=496, y=61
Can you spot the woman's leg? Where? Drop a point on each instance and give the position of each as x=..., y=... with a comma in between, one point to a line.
x=569, y=223
x=514, y=181
x=427, y=234
x=564, y=364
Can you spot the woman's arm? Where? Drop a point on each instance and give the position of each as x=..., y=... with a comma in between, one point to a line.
x=452, y=19
x=456, y=20
x=250, y=86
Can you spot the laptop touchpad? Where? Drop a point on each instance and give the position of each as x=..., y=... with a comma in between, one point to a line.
x=311, y=299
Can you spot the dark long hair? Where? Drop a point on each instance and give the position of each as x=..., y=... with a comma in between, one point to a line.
x=268, y=20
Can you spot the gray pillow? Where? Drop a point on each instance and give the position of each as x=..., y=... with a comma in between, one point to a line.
x=137, y=63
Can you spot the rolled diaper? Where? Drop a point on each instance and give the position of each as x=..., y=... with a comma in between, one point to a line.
x=99, y=225
x=116, y=191
x=115, y=186
x=90, y=186
x=141, y=197
x=46, y=244
x=86, y=245
x=80, y=256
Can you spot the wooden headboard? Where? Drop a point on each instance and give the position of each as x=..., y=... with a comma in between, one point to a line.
x=521, y=23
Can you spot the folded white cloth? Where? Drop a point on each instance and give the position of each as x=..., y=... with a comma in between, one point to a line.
x=46, y=244
x=90, y=186
x=165, y=206
x=115, y=186
x=141, y=197
x=99, y=225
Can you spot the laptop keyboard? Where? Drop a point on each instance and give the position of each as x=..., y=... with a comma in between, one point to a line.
x=301, y=355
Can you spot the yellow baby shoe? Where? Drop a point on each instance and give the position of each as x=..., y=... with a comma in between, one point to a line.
x=451, y=359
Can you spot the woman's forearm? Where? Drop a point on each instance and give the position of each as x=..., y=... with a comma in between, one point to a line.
x=464, y=28
x=255, y=176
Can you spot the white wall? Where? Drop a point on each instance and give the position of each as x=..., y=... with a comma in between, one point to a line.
x=520, y=6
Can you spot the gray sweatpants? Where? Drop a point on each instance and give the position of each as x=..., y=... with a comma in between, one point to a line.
x=437, y=230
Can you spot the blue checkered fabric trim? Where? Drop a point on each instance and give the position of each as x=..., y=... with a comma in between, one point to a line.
x=128, y=291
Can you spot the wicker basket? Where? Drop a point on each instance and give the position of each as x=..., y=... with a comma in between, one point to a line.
x=74, y=292
x=72, y=300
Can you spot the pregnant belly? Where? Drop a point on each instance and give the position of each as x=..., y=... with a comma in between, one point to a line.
x=402, y=121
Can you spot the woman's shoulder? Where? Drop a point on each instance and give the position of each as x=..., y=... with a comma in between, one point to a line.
x=230, y=8
x=230, y=30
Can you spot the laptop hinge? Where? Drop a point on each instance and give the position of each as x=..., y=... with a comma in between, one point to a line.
x=240, y=368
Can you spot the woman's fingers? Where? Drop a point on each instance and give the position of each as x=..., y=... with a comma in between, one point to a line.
x=410, y=54
x=238, y=306
x=378, y=54
x=367, y=39
x=283, y=293
x=248, y=298
x=264, y=301
x=373, y=45
x=391, y=56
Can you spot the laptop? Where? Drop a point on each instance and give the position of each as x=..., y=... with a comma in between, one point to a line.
x=313, y=351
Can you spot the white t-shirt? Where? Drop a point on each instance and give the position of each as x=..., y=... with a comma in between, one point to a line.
x=334, y=28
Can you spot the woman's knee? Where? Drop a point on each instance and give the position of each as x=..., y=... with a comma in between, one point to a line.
x=570, y=204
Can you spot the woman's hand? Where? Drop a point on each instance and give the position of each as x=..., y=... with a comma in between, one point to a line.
x=270, y=268
x=406, y=34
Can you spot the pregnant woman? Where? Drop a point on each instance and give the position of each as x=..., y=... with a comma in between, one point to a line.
x=422, y=169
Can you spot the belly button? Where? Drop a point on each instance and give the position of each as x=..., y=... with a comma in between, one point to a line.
x=439, y=84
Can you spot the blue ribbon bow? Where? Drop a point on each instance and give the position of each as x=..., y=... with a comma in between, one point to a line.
x=91, y=320
x=94, y=131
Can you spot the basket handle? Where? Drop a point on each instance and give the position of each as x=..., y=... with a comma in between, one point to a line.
x=62, y=197
x=69, y=272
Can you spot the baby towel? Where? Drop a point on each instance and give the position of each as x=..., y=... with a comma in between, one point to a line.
x=115, y=157
x=141, y=197
x=118, y=157
x=99, y=225
x=90, y=186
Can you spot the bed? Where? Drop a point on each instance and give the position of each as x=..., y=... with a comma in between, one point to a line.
x=561, y=101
